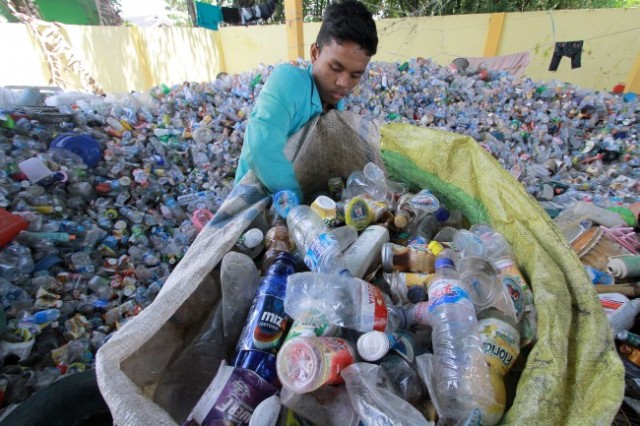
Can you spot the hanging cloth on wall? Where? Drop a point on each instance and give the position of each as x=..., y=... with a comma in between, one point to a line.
x=208, y=15
x=570, y=49
x=231, y=15
x=515, y=63
x=260, y=11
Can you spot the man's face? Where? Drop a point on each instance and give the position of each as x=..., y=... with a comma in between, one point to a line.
x=337, y=69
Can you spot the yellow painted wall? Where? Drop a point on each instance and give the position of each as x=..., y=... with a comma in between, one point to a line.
x=246, y=47
x=126, y=58
x=611, y=43
x=21, y=64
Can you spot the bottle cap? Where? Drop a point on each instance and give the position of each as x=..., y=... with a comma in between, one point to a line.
x=442, y=214
x=252, y=238
x=284, y=201
x=357, y=213
x=401, y=220
x=435, y=247
x=373, y=345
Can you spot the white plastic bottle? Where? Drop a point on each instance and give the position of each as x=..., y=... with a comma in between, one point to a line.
x=462, y=380
x=321, y=248
x=362, y=254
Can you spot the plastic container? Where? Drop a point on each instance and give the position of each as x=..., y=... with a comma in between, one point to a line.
x=83, y=145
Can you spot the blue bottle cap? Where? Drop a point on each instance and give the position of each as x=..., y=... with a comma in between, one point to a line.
x=83, y=145
x=284, y=201
x=442, y=214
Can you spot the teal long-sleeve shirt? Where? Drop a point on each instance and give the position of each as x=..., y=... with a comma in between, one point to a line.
x=288, y=100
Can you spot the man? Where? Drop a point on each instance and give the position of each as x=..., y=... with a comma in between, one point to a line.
x=291, y=97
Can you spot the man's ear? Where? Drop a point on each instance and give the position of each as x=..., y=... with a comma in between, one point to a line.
x=315, y=52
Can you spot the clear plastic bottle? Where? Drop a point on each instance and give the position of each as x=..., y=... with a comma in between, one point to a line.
x=462, y=382
x=320, y=247
x=343, y=301
x=415, y=207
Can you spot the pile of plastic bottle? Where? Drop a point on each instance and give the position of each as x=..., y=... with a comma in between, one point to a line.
x=376, y=303
x=109, y=192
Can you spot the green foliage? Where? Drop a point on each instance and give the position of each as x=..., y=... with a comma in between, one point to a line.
x=313, y=9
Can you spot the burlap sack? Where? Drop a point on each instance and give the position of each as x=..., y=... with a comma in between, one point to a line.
x=130, y=364
x=332, y=145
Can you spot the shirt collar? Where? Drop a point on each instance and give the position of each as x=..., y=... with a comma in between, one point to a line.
x=315, y=96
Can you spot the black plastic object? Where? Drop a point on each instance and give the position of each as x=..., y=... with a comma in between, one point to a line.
x=74, y=400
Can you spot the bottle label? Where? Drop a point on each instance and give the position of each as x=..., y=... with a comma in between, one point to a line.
x=515, y=293
x=317, y=248
x=311, y=323
x=500, y=343
x=338, y=355
x=446, y=291
x=424, y=200
x=374, y=308
x=231, y=397
x=266, y=326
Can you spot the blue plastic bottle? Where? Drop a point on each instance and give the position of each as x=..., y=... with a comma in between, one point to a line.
x=267, y=323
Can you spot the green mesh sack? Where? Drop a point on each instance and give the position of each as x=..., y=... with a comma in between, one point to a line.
x=573, y=375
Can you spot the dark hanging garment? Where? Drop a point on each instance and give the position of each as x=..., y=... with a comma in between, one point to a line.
x=231, y=15
x=570, y=49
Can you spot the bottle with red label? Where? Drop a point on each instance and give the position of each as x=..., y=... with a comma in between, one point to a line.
x=306, y=363
x=267, y=323
x=343, y=301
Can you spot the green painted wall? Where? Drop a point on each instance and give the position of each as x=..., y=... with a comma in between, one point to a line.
x=76, y=12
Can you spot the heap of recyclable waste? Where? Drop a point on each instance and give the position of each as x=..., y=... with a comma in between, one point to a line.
x=101, y=196
x=373, y=302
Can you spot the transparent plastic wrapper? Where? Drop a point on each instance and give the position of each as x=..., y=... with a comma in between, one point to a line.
x=329, y=405
x=374, y=400
x=239, y=279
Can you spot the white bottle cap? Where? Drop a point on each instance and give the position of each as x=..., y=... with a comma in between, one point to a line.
x=373, y=345
x=252, y=238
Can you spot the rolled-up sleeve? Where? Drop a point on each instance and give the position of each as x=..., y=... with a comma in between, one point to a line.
x=274, y=118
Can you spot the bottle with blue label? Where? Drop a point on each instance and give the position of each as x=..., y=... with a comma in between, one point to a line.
x=267, y=323
x=311, y=235
x=462, y=381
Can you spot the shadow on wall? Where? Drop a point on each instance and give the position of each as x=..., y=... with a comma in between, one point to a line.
x=123, y=59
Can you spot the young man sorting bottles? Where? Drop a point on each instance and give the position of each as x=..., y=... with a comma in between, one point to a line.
x=291, y=97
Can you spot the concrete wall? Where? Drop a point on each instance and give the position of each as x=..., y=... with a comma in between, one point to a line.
x=130, y=58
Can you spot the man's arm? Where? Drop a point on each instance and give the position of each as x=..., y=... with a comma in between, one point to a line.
x=272, y=120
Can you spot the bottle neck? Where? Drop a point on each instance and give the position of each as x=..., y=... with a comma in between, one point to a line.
x=284, y=264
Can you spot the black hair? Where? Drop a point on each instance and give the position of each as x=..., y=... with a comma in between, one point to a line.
x=348, y=20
